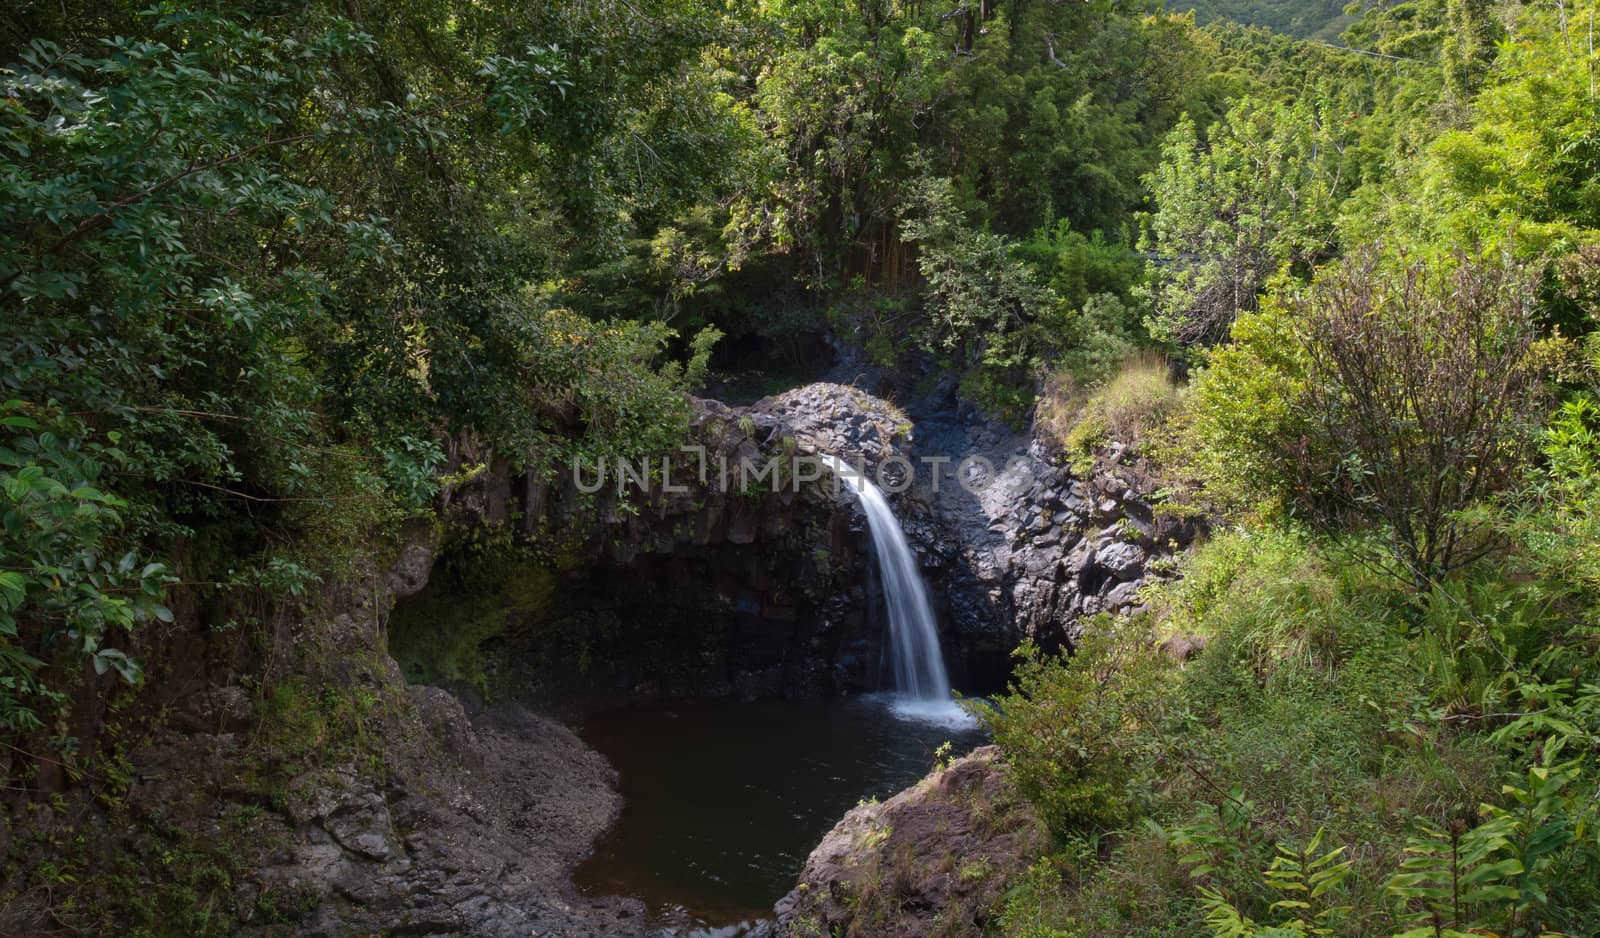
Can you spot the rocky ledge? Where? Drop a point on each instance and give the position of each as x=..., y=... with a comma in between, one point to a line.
x=482, y=841
x=932, y=860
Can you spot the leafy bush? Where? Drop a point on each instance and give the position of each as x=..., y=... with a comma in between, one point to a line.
x=1078, y=266
x=978, y=299
x=1302, y=719
x=1425, y=389
x=1093, y=341
x=1071, y=727
x=76, y=584
x=256, y=276
x=1241, y=415
x=1388, y=396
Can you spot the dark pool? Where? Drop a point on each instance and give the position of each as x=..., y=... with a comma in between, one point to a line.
x=723, y=801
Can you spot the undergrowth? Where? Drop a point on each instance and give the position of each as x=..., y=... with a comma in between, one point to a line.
x=1330, y=719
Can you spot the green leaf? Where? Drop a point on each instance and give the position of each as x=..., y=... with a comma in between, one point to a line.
x=13, y=589
x=1491, y=872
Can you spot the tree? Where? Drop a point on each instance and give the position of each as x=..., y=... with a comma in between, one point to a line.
x=1468, y=46
x=840, y=99
x=253, y=277
x=1424, y=393
x=981, y=303
x=1257, y=194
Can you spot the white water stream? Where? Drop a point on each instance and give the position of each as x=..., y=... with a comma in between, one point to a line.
x=922, y=685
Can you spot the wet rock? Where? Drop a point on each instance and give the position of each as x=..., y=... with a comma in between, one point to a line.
x=722, y=588
x=1041, y=548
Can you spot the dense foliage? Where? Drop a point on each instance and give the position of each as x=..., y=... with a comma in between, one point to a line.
x=256, y=278
x=1385, y=721
x=276, y=274
x=1322, y=20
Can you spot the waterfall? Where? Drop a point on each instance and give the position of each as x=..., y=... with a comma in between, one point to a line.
x=919, y=674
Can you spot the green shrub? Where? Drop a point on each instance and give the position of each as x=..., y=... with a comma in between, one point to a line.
x=1304, y=708
x=1072, y=726
x=1078, y=266
x=303, y=724
x=1239, y=420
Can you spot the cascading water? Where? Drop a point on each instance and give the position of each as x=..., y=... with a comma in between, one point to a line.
x=920, y=679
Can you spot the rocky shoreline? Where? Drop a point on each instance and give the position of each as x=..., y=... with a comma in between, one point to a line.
x=481, y=840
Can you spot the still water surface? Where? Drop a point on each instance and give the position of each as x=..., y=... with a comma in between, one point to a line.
x=723, y=801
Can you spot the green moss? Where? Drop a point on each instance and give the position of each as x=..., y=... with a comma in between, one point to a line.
x=437, y=636
x=303, y=723
x=135, y=874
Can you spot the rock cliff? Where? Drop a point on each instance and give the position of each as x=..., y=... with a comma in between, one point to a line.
x=725, y=577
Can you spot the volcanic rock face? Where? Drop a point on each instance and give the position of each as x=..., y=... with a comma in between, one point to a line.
x=932, y=860
x=741, y=570
x=343, y=802
x=1025, y=548
x=1064, y=549
x=842, y=421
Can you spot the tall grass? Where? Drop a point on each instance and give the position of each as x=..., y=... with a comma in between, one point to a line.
x=1127, y=408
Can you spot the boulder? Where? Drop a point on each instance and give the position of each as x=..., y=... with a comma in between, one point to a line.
x=1124, y=560
x=934, y=859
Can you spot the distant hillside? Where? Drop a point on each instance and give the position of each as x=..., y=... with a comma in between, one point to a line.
x=1321, y=18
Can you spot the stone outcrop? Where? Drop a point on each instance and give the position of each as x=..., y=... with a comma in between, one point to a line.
x=1030, y=549
x=842, y=421
x=932, y=860
x=478, y=836
x=473, y=827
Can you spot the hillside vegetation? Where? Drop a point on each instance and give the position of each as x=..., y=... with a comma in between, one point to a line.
x=1318, y=20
